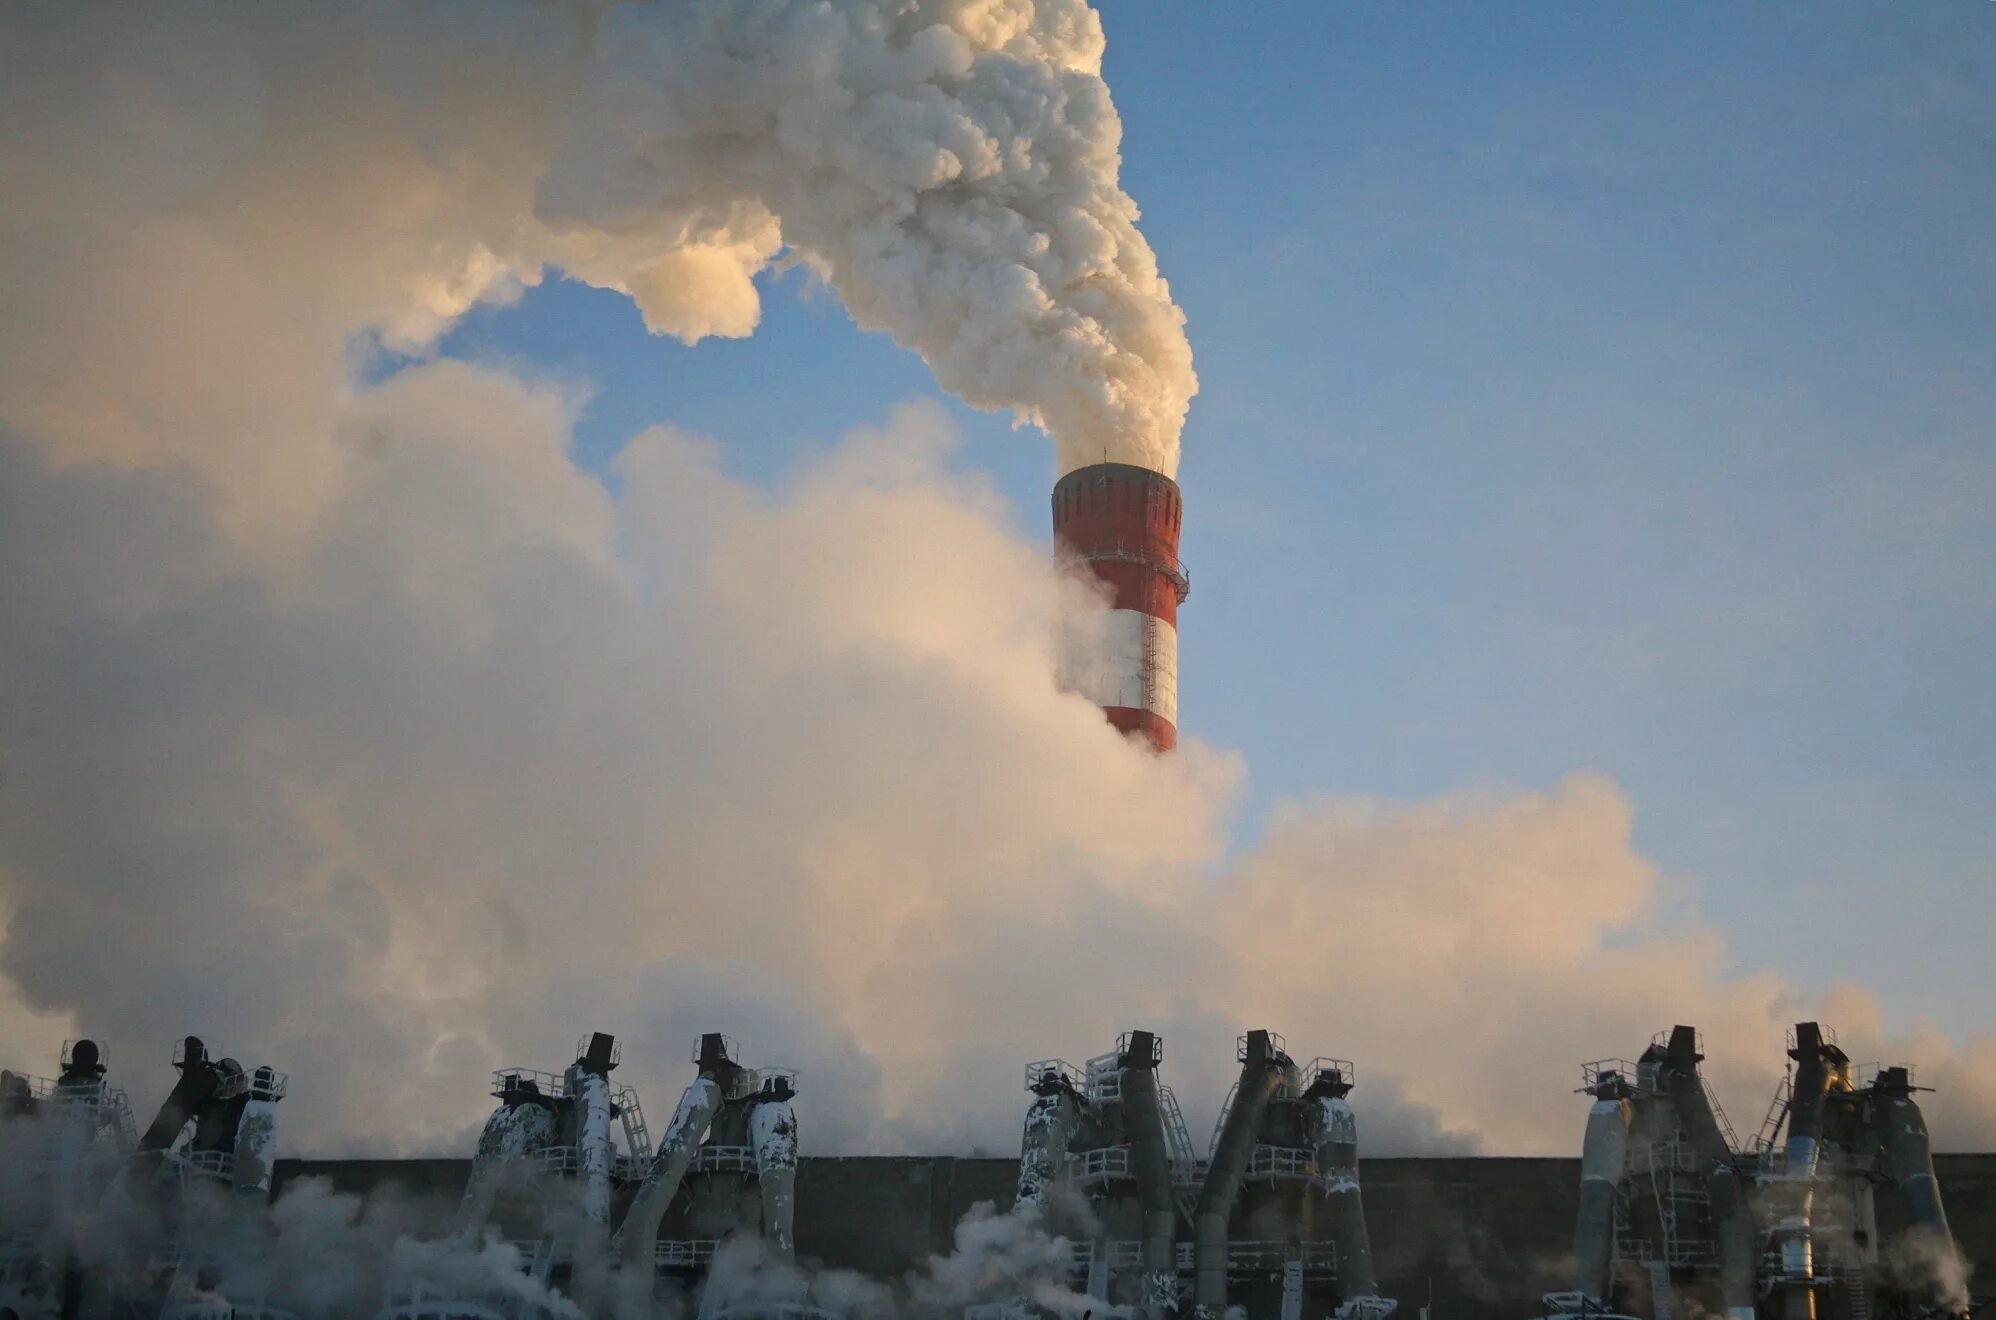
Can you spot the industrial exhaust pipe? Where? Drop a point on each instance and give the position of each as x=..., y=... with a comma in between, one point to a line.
x=1731, y=1222
x=587, y=1085
x=1818, y=1066
x=773, y=1132
x=81, y=1105
x=1262, y=1067
x=638, y=1238
x=256, y=1132
x=1051, y=1122
x=1332, y=1131
x=198, y=1083
x=1603, y=1152
x=1909, y=1162
x=1150, y=1161
x=523, y=1123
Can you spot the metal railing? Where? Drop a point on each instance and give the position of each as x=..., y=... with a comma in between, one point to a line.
x=1591, y=1074
x=548, y=1085
x=196, y=1164
x=725, y=1159
x=1318, y=1259
x=1040, y=1071
x=1281, y=1164
x=684, y=1253
x=1275, y=1042
x=1339, y=1070
x=1103, y=1078
x=1102, y=1164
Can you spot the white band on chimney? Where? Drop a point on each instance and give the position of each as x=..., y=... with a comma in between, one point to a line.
x=1123, y=658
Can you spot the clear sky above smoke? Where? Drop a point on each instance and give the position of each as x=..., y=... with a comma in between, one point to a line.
x=1581, y=392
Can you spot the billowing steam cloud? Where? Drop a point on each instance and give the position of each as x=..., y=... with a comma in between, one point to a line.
x=948, y=165
x=354, y=727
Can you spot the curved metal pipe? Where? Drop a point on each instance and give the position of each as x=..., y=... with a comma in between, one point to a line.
x=1150, y=1161
x=1732, y=1223
x=1261, y=1074
x=638, y=1238
x=196, y=1087
x=1602, y=1153
x=1816, y=1070
x=522, y=1124
x=1333, y=1132
x=1909, y=1162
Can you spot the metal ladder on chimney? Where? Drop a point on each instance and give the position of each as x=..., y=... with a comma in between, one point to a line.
x=1184, y=1161
x=637, y=1138
x=1662, y=1297
x=1292, y=1290
x=1777, y=1114
x=1857, y=1286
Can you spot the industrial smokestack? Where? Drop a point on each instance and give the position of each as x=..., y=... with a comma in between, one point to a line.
x=1819, y=1068
x=1051, y=1122
x=1262, y=1065
x=773, y=1133
x=1909, y=1165
x=588, y=1086
x=1603, y=1158
x=1732, y=1224
x=1122, y=522
x=637, y=1239
x=1150, y=1161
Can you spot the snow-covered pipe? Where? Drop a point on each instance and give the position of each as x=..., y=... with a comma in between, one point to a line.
x=1732, y=1222
x=1261, y=1074
x=256, y=1133
x=1150, y=1161
x=638, y=1238
x=522, y=1124
x=588, y=1086
x=773, y=1132
x=1051, y=1122
x=1332, y=1131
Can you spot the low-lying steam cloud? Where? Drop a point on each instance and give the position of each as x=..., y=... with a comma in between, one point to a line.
x=353, y=726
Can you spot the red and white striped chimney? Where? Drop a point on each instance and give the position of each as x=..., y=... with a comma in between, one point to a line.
x=1122, y=522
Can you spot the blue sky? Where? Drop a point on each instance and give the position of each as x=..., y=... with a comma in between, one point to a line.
x=1583, y=387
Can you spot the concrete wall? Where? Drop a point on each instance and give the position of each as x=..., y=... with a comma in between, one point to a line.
x=1482, y=1237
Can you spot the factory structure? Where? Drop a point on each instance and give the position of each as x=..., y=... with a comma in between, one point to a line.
x=1832, y=1210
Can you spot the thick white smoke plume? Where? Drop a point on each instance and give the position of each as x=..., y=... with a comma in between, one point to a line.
x=354, y=727
x=948, y=166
